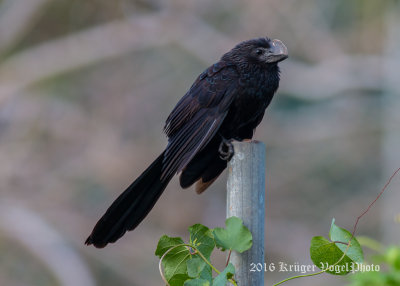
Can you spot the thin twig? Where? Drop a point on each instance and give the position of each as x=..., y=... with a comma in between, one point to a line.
x=369, y=207
x=229, y=257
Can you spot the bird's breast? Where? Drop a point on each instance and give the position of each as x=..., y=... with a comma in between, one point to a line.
x=255, y=93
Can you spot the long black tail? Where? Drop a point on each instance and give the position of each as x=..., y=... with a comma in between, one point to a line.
x=131, y=207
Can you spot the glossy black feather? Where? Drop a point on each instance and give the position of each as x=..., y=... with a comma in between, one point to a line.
x=207, y=102
x=131, y=207
x=228, y=100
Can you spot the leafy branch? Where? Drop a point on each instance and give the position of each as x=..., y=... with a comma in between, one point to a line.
x=339, y=255
x=188, y=264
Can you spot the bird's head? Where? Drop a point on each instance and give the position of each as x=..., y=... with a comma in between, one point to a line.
x=259, y=51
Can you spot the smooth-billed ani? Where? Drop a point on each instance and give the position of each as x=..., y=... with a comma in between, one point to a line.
x=226, y=102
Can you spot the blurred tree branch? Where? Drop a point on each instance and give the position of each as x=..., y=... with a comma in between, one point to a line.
x=79, y=50
x=16, y=17
x=45, y=243
x=109, y=40
x=335, y=76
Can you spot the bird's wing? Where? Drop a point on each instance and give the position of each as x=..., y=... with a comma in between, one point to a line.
x=198, y=115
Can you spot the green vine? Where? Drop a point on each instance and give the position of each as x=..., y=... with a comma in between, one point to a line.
x=189, y=264
x=197, y=252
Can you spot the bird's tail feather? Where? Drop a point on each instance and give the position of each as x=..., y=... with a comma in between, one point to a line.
x=131, y=207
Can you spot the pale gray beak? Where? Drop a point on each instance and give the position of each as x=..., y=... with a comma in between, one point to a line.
x=277, y=52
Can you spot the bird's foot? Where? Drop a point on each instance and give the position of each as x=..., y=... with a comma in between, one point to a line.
x=226, y=149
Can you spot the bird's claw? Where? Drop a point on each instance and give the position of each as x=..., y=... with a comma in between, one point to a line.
x=226, y=149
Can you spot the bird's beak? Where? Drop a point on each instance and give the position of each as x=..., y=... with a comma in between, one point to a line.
x=277, y=52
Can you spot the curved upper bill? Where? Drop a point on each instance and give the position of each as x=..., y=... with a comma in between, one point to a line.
x=278, y=50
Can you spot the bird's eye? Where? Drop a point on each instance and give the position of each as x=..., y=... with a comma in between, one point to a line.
x=259, y=52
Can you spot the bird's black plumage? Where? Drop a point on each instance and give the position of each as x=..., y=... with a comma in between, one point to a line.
x=227, y=101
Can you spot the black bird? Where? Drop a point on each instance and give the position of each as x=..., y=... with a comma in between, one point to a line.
x=226, y=102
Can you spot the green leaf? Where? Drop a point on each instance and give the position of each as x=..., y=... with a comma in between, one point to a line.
x=174, y=262
x=326, y=254
x=354, y=252
x=392, y=257
x=234, y=237
x=195, y=266
x=202, y=237
x=197, y=282
x=206, y=274
x=178, y=280
x=166, y=243
x=223, y=277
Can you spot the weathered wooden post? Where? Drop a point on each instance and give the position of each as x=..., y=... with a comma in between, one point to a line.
x=246, y=200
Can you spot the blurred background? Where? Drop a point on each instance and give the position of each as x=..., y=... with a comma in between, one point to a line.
x=85, y=87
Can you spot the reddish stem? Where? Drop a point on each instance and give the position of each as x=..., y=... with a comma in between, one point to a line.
x=383, y=189
x=229, y=257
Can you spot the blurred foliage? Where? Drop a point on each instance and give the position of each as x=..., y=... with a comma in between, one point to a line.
x=389, y=262
x=17, y=264
x=85, y=87
x=63, y=17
